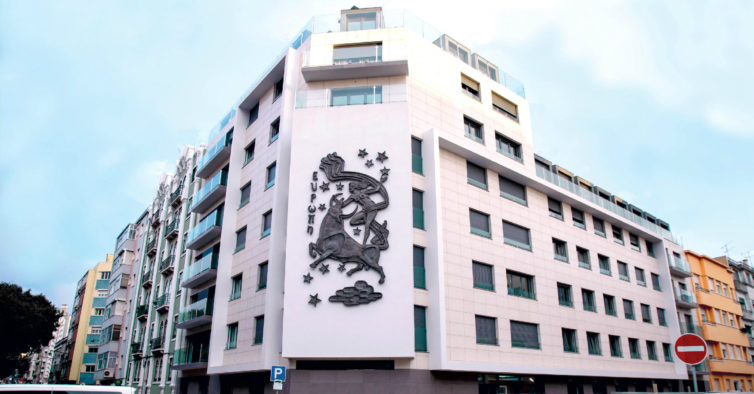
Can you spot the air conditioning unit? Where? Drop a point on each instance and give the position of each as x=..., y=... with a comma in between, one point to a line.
x=107, y=373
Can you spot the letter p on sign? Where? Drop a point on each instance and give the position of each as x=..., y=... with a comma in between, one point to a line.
x=277, y=374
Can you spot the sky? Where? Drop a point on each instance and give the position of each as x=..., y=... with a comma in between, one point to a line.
x=651, y=100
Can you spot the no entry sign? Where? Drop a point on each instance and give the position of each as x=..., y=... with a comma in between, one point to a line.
x=691, y=349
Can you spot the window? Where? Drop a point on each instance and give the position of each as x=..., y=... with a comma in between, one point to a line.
x=240, y=239
x=641, y=280
x=666, y=351
x=570, y=344
x=633, y=347
x=646, y=313
x=473, y=130
x=560, y=248
x=661, y=317
x=524, y=335
x=235, y=291
x=470, y=87
x=356, y=96
x=555, y=207
x=278, y=89
x=253, y=114
x=420, y=281
x=504, y=106
x=483, y=276
x=270, y=176
x=617, y=234
x=361, y=21
x=262, y=282
x=623, y=271
x=274, y=130
x=476, y=175
x=417, y=164
x=486, y=330
x=104, y=275
x=564, y=295
x=266, y=223
x=480, y=223
x=604, y=264
x=516, y=235
x=650, y=248
x=245, y=194
x=508, y=147
x=231, y=341
x=249, y=152
x=578, y=218
x=417, y=201
x=655, y=281
x=634, y=240
x=599, y=226
x=628, y=309
x=593, y=340
x=609, y=305
x=420, y=328
x=511, y=190
x=616, y=349
x=520, y=285
x=360, y=53
x=583, y=256
x=258, y=329
x=587, y=298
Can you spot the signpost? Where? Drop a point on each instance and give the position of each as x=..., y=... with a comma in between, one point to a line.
x=692, y=350
x=277, y=377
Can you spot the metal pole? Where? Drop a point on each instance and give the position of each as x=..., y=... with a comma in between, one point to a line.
x=693, y=377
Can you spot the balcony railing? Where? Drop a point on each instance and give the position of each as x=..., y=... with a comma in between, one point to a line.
x=679, y=265
x=205, y=230
x=690, y=329
x=201, y=271
x=146, y=279
x=157, y=343
x=167, y=264
x=155, y=218
x=196, y=314
x=175, y=196
x=212, y=190
x=162, y=303
x=684, y=296
x=171, y=230
x=152, y=247
x=194, y=355
x=214, y=156
x=136, y=347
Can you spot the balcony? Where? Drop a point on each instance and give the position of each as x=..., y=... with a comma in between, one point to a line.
x=201, y=271
x=141, y=312
x=194, y=356
x=175, y=196
x=684, y=298
x=171, y=230
x=356, y=62
x=196, y=314
x=157, y=344
x=690, y=329
x=747, y=314
x=205, y=231
x=146, y=279
x=166, y=265
x=212, y=191
x=152, y=247
x=136, y=348
x=155, y=218
x=162, y=303
x=679, y=267
x=214, y=157
x=731, y=367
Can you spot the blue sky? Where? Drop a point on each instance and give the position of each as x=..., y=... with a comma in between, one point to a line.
x=651, y=100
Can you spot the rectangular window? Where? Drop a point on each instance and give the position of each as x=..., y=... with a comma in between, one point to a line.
x=476, y=175
x=520, y=285
x=628, y=309
x=258, y=329
x=266, y=223
x=524, y=335
x=666, y=351
x=480, y=223
x=599, y=226
x=623, y=271
x=616, y=349
x=511, y=190
x=356, y=96
x=470, y=87
x=262, y=282
x=633, y=347
x=564, y=294
x=555, y=207
x=617, y=234
x=641, y=280
x=240, y=239
x=655, y=281
x=253, y=114
x=650, y=248
x=504, y=106
x=245, y=194
x=420, y=281
x=360, y=53
x=274, y=130
x=270, y=176
x=508, y=147
x=587, y=298
x=609, y=305
x=230, y=343
x=486, y=330
x=516, y=235
x=484, y=277
x=646, y=313
x=661, y=317
x=584, y=259
x=361, y=21
x=634, y=240
x=417, y=163
x=560, y=249
x=420, y=328
x=570, y=345
x=417, y=202
x=278, y=89
x=578, y=218
x=593, y=340
x=604, y=264
x=473, y=130
x=235, y=287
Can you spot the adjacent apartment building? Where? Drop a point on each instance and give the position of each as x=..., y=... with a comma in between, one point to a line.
x=41, y=363
x=372, y=211
x=722, y=325
x=743, y=279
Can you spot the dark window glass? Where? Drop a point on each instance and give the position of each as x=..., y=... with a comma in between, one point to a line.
x=486, y=330
x=516, y=235
x=641, y=280
x=278, y=89
x=646, y=313
x=258, y=329
x=480, y=223
x=249, y=152
x=417, y=201
x=564, y=295
x=555, y=207
x=655, y=281
x=661, y=317
x=569, y=341
x=476, y=175
x=617, y=234
x=240, y=239
x=520, y=285
x=593, y=340
x=473, y=130
x=615, y=347
x=508, y=147
x=253, y=114
x=634, y=239
x=578, y=218
x=650, y=248
x=628, y=309
x=666, y=351
x=623, y=271
x=274, y=130
x=512, y=190
x=262, y=283
x=587, y=297
x=236, y=285
x=633, y=347
x=609, y=305
x=483, y=276
x=417, y=164
x=560, y=249
x=420, y=281
x=584, y=259
x=245, y=194
x=271, y=175
x=604, y=264
x=525, y=335
x=420, y=328
x=266, y=223
x=599, y=226
x=356, y=96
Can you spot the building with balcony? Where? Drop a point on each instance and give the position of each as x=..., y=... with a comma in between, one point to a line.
x=41, y=365
x=722, y=323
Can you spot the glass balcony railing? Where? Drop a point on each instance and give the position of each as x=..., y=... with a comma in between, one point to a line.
x=213, y=219
x=222, y=123
x=193, y=353
x=209, y=261
x=690, y=329
x=198, y=309
x=679, y=264
x=221, y=178
x=684, y=296
x=213, y=151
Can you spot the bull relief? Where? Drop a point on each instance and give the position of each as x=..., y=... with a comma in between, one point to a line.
x=348, y=227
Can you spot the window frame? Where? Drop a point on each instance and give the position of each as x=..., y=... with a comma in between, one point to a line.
x=258, y=336
x=570, y=335
x=470, y=168
x=597, y=231
x=266, y=231
x=245, y=189
x=249, y=152
x=511, y=144
x=262, y=272
x=603, y=271
x=270, y=180
x=557, y=214
x=580, y=223
x=513, y=242
x=476, y=231
x=478, y=128
x=231, y=340
x=567, y=292
x=593, y=343
x=518, y=343
x=590, y=296
x=240, y=239
x=501, y=180
x=236, y=286
x=579, y=253
x=480, y=285
x=486, y=341
x=512, y=276
x=556, y=244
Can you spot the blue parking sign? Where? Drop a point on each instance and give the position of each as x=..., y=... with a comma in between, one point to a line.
x=277, y=374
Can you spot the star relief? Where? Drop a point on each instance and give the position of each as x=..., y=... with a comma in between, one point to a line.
x=369, y=163
x=324, y=268
x=363, y=153
x=322, y=207
x=314, y=299
x=339, y=186
x=342, y=267
x=325, y=186
x=308, y=278
x=356, y=231
x=382, y=156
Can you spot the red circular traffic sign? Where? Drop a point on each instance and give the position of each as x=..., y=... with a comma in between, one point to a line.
x=690, y=348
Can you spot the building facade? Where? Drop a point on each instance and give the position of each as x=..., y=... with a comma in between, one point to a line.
x=40, y=367
x=743, y=279
x=723, y=325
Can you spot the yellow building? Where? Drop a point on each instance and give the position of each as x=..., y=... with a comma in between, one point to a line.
x=721, y=317
x=86, y=322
